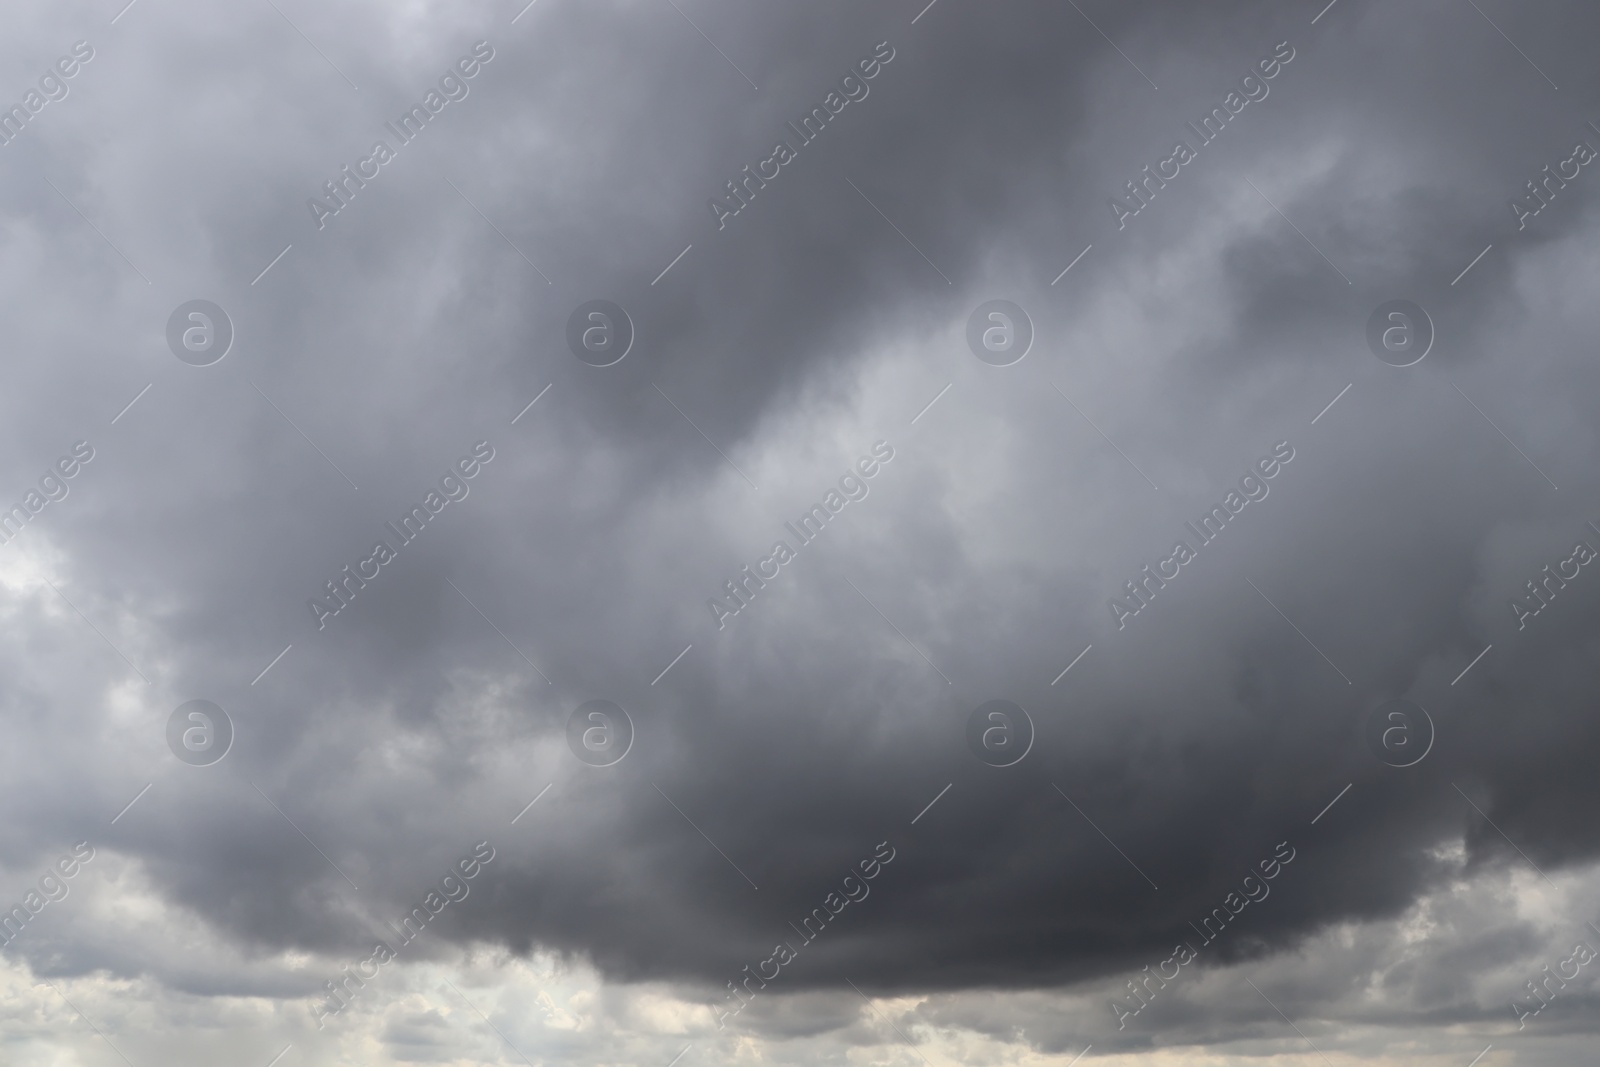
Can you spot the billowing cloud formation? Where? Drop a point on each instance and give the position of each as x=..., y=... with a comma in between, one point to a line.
x=1201, y=213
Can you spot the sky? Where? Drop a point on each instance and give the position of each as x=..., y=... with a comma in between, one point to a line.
x=696, y=533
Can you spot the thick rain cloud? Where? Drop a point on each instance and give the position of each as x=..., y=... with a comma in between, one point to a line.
x=1264, y=500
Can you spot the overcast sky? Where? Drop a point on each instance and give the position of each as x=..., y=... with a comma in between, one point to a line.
x=1252, y=465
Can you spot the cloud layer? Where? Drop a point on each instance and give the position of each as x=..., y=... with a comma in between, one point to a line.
x=596, y=152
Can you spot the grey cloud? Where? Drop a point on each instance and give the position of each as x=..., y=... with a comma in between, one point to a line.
x=823, y=718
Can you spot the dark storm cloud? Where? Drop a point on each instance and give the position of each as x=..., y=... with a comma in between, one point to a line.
x=432, y=308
